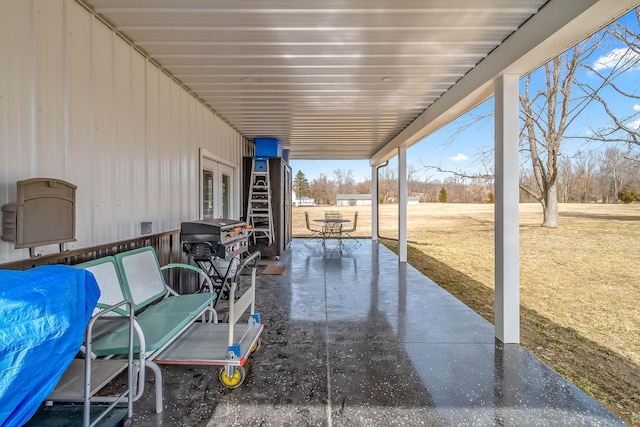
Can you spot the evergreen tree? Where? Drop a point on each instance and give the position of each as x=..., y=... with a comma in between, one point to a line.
x=442, y=197
x=628, y=194
x=301, y=185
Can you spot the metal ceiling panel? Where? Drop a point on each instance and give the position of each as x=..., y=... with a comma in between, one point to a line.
x=336, y=79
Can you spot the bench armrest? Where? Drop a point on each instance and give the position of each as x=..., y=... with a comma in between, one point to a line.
x=192, y=268
x=134, y=327
x=111, y=308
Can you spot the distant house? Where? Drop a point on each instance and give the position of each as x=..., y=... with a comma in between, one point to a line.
x=413, y=200
x=353, y=199
x=303, y=201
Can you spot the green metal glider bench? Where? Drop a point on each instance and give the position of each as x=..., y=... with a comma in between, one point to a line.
x=167, y=331
x=161, y=315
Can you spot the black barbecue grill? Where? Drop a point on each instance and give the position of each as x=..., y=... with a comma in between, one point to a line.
x=216, y=246
x=219, y=237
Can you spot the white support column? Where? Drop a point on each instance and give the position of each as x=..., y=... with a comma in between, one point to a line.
x=507, y=233
x=402, y=204
x=374, y=203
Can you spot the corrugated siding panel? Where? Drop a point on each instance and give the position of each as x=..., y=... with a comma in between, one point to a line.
x=138, y=140
x=81, y=121
x=103, y=138
x=78, y=103
x=16, y=102
x=153, y=146
x=50, y=98
x=17, y=92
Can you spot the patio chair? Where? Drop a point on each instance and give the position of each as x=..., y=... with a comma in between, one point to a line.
x=316, y=233
x=347, y=231
x=333, y=215
x=333, y=228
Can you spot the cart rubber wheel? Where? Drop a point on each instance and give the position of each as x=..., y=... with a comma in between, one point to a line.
x=256, y=345
x=235, y=381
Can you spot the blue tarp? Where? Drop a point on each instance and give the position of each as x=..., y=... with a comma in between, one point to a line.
x=43, y=315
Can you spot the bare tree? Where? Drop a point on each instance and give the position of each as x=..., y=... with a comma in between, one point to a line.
x=579, y=177
x=364, y=187
x=546, y=117
x=387, y=184
x=323, y=190
x=552, y=99
x=548, y=113
x=344, y=180
x=412, y=178
x=430, y=191
x=585, y=171
x=566, y=182
x=617, y=169
x=623, y=127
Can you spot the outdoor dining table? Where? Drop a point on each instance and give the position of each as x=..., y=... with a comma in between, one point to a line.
x=332, y=228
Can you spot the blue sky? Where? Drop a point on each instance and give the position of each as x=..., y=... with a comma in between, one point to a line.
x=436, y=150
x=440, y=150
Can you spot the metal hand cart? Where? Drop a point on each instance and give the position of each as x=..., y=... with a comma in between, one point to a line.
x=224, y=344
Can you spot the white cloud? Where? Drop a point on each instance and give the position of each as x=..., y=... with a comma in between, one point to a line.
x=635, y=125
x=636, y=107
x=459, y=157
x=613, y=58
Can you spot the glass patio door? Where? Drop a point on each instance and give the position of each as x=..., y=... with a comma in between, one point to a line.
x=216, y=189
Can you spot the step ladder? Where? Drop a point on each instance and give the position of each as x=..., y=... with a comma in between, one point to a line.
x=259, y=213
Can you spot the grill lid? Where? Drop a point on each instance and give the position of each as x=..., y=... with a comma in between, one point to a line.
x=213, y=226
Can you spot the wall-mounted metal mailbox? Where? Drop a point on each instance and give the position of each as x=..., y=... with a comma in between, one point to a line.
x=44, y=214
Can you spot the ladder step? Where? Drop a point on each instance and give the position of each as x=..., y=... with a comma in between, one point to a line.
x=259, y=213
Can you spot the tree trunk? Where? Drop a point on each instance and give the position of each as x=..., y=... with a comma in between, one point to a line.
x=550, y=207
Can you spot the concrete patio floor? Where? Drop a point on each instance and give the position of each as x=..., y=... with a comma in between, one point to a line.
x=352, y=338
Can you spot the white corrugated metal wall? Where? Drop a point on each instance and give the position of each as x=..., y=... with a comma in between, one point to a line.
x=80, y=104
